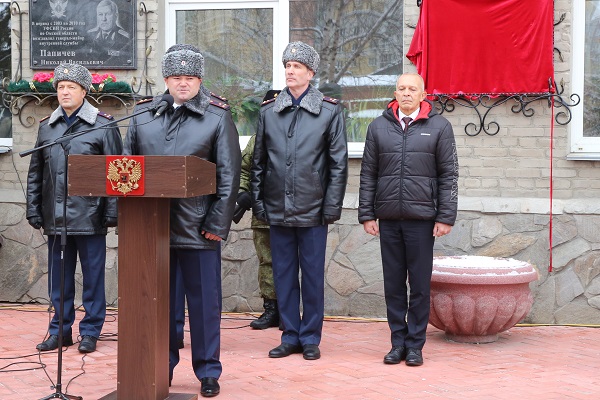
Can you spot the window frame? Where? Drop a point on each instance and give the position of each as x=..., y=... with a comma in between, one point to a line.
x=581, y=148
x=6, y=144
x=281, y=17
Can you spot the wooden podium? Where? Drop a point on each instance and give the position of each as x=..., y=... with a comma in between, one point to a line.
x=143, y=348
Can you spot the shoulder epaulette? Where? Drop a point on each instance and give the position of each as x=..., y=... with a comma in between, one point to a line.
x=330, y=100
x=105, y=115
x=264, y=103
x=45, y=118
x=223, y=99
x=144, y=101
x=270, y=96
x=220, y=104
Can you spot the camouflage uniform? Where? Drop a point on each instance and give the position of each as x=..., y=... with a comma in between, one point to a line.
x=260, y=232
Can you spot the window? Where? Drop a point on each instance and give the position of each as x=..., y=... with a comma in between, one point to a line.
x=242, y=54
x=585, y=126
x=242, y=42
x=347, y=36
x=5, y=72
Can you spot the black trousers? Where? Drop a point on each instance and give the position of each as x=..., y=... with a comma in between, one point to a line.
x=407, y=257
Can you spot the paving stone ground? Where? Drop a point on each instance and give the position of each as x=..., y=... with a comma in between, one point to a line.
x=540, y=362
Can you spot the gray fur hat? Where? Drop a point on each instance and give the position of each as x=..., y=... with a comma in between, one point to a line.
x=302, y=53
x=183, y=59
x=182, y=46
x=73, y=73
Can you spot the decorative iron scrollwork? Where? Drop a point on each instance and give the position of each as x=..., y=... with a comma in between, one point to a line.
x=17, y=102
x=482, y=104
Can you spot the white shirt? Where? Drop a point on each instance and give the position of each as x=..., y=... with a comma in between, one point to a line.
x=413, y=115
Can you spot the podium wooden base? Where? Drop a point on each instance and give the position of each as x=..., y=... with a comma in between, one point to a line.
x=144, y=255
x=172, y=396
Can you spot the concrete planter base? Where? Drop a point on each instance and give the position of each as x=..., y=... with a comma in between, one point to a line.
x=474, y=298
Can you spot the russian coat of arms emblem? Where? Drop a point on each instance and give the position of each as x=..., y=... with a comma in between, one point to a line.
x=124, y=175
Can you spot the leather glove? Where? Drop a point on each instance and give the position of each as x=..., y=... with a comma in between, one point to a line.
x=329, y=219
x=262, y=216
x=238, y=213
x=110, y=221
x=35, y=222
x=244, y=200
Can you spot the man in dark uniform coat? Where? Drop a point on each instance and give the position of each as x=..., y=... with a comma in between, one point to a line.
x=200, y=126
x=298, y=180
x=87, y=217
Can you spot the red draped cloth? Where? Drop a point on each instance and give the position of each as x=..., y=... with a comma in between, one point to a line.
x=484, y=46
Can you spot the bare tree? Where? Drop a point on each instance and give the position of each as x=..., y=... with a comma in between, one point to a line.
x=348, y=32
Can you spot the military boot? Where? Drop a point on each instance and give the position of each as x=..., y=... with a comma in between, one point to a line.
x=269, y=318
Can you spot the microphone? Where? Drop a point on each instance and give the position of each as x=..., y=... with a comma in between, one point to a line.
x=166, y=103
x=108, y=125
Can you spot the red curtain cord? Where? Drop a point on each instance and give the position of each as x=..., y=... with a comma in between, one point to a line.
x=551, y=185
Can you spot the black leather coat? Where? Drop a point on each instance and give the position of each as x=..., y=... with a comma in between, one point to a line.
x=412, y=175
x=46, y=177
x=202, y=127
x=300, y=164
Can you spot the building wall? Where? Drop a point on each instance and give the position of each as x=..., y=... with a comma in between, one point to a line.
x=503, y=210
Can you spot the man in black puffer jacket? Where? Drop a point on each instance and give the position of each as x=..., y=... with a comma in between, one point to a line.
x=409, y=182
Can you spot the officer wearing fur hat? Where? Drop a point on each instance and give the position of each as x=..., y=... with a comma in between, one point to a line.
x=299, y=173
x=201, y=126
x=180, y=288
x=87, y=218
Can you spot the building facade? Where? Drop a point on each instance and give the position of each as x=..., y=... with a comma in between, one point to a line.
x=506, y=178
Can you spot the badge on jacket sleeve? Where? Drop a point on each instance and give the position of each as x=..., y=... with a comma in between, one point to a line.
x=125, y=175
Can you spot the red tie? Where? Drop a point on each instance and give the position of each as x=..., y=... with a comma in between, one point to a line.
x=406, y=121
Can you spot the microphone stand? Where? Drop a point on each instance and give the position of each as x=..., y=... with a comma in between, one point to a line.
x=58, y=394
x=67, y=138
x=65, y=141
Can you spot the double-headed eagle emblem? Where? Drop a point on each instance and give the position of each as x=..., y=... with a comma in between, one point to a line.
x=124, y=175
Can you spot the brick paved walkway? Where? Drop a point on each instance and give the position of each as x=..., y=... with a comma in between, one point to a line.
x=525, y=363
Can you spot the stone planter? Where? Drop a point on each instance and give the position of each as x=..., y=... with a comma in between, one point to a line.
x=474, y=298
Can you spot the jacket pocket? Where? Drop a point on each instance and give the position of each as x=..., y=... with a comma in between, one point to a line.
x=317, y=184
x=434, y=193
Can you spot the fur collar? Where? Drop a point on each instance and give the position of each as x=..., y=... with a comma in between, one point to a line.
x=312, y=102
x=197, y=104
x=88, y=113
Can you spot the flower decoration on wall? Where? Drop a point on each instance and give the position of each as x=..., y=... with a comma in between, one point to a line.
x=42, y=83
x=43, y=77
x=100, y=80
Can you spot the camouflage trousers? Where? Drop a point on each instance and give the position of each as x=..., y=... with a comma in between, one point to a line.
x=262, y=244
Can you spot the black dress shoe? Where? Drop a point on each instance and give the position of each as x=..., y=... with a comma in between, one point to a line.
x=87, y=344
x=414, y=357
x=180, y=344
x=284, y=350
x=209, y=387
x=395, y=355
x=52, y=343
x=311, y=352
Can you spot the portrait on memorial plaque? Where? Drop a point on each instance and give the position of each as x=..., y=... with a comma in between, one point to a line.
x=109, y=36
x=98, y=34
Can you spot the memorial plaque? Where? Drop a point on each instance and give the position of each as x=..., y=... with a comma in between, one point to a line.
x=98, y=34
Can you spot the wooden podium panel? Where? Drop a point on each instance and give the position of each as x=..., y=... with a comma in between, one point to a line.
x=143, y=347
x=165, y=176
